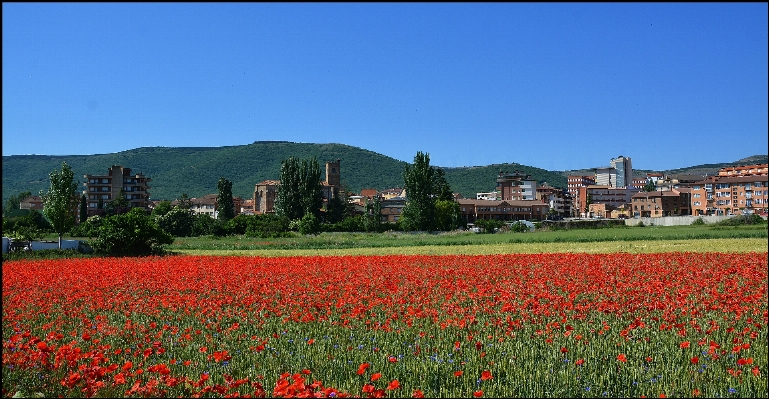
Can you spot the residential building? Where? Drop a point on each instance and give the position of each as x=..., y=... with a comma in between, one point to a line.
x=676, y=181
x=205, y=205
x=392, y=193
x=516, y=186
x=32, y=202
x=606, y=176
x=574, y=183
x=673, y=202
x=107, y=187
x=505, y=210
x=392, y=208
x=728, y=195
x=489, y=196
x=746, y=170
x=613, y=197
x=557, y=199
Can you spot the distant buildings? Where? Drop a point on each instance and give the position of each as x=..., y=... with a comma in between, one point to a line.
x=106, y=188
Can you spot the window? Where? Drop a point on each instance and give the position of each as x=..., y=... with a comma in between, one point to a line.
x=696, y=203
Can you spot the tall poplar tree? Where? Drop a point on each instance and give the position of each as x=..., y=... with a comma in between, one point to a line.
x=60, y=202
x=299, y=192
x=224, y=200
x=419, y=182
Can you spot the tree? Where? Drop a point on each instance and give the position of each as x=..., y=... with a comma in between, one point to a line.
x=185, y=202
x=13, y=203
x=178, y=222
x=224, y=200
x=447, y=215
x=373, y=217
x=300, y=190
x=83, y=209
x=119, y=205
x=60, y=202
x=650, y=186
x=131, y=234
x=162, y=208
x=419, y=182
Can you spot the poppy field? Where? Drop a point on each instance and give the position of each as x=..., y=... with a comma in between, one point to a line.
x=508, y=325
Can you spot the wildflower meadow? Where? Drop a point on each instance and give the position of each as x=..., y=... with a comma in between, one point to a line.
x=515, y=325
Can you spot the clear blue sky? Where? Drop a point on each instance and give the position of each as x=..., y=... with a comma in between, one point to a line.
x=559, y=86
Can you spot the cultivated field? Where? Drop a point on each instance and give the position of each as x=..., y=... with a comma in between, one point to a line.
x=610, y=313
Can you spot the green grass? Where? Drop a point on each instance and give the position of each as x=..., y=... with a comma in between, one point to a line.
x=338, y=241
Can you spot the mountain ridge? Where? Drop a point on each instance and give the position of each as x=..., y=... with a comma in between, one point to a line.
x=196, y=170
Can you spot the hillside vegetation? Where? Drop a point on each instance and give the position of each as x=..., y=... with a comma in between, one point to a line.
x=196, y=170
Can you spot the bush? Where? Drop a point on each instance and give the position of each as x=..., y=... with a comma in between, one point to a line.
x=698, y=222
x=204, y=225
x=178, y=222
x=309, y=224
x=131, y=234
x=89, y=228
x=519, y=227
x=742, y=220
x=268, y=226
x=489, y=226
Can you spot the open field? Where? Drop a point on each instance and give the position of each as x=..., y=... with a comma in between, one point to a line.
x=607, y=240
x=532, y=325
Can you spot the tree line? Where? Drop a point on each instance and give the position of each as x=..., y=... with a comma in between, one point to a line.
x=299, y=208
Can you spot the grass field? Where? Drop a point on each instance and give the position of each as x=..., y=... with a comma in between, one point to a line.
x=607, y=240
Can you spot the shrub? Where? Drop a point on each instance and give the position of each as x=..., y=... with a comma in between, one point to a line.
x=698, y=222
x=131, y=234
x=742, y=220
x=268, y=226
x=309, y=224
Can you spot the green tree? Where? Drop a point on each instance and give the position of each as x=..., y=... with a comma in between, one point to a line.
x=13, y=203
x=119, y=205
x=373, y=217
x=447, y=215
x=419, y=183
x=178, y=222
x=131, y=234
x=300, y=190
x=650, y=186
x=185, y=202
x=162, y=208
x=441, y=188
x=83, y=209
x=309, y=224
x=224, y=200
x=60, y=202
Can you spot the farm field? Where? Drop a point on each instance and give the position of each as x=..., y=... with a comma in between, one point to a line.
x=492, y=325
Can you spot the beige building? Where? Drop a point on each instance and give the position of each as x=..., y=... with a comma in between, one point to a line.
x=511, y=210
x=728, y=195
x=673, y=202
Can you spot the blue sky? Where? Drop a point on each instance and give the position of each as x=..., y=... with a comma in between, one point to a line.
x=559, y=86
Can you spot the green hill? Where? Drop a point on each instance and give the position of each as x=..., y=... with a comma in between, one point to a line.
x=196, y=170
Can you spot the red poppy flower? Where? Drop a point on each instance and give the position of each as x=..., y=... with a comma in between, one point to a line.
x=684, y=344
x=376, y=376
x=418, y=394
x=458, y=373
x=579, y=362
x=362, y=368
x=695, y=360
x=393, y=384
x=478, y=394
x=622, y=358
x=486, y=375
x=564, y=350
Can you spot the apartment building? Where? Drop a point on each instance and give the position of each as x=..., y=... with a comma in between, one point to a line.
x=392, y=208
x=729, y=195
x=107, y=187
x=612, y=197
x=32, y=202
x=745, y=170
x=673, y=202
x=574, y=183
x=505, y=210
x=557, y=199
x=516, y=186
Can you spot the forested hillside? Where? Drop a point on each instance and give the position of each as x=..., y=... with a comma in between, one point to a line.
x=196, y=170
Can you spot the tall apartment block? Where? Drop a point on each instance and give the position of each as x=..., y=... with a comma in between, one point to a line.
x=624, y=171
x=107, y=187
x=516, y=187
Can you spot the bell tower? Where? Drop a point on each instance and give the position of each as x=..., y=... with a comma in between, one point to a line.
x=333, y=173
